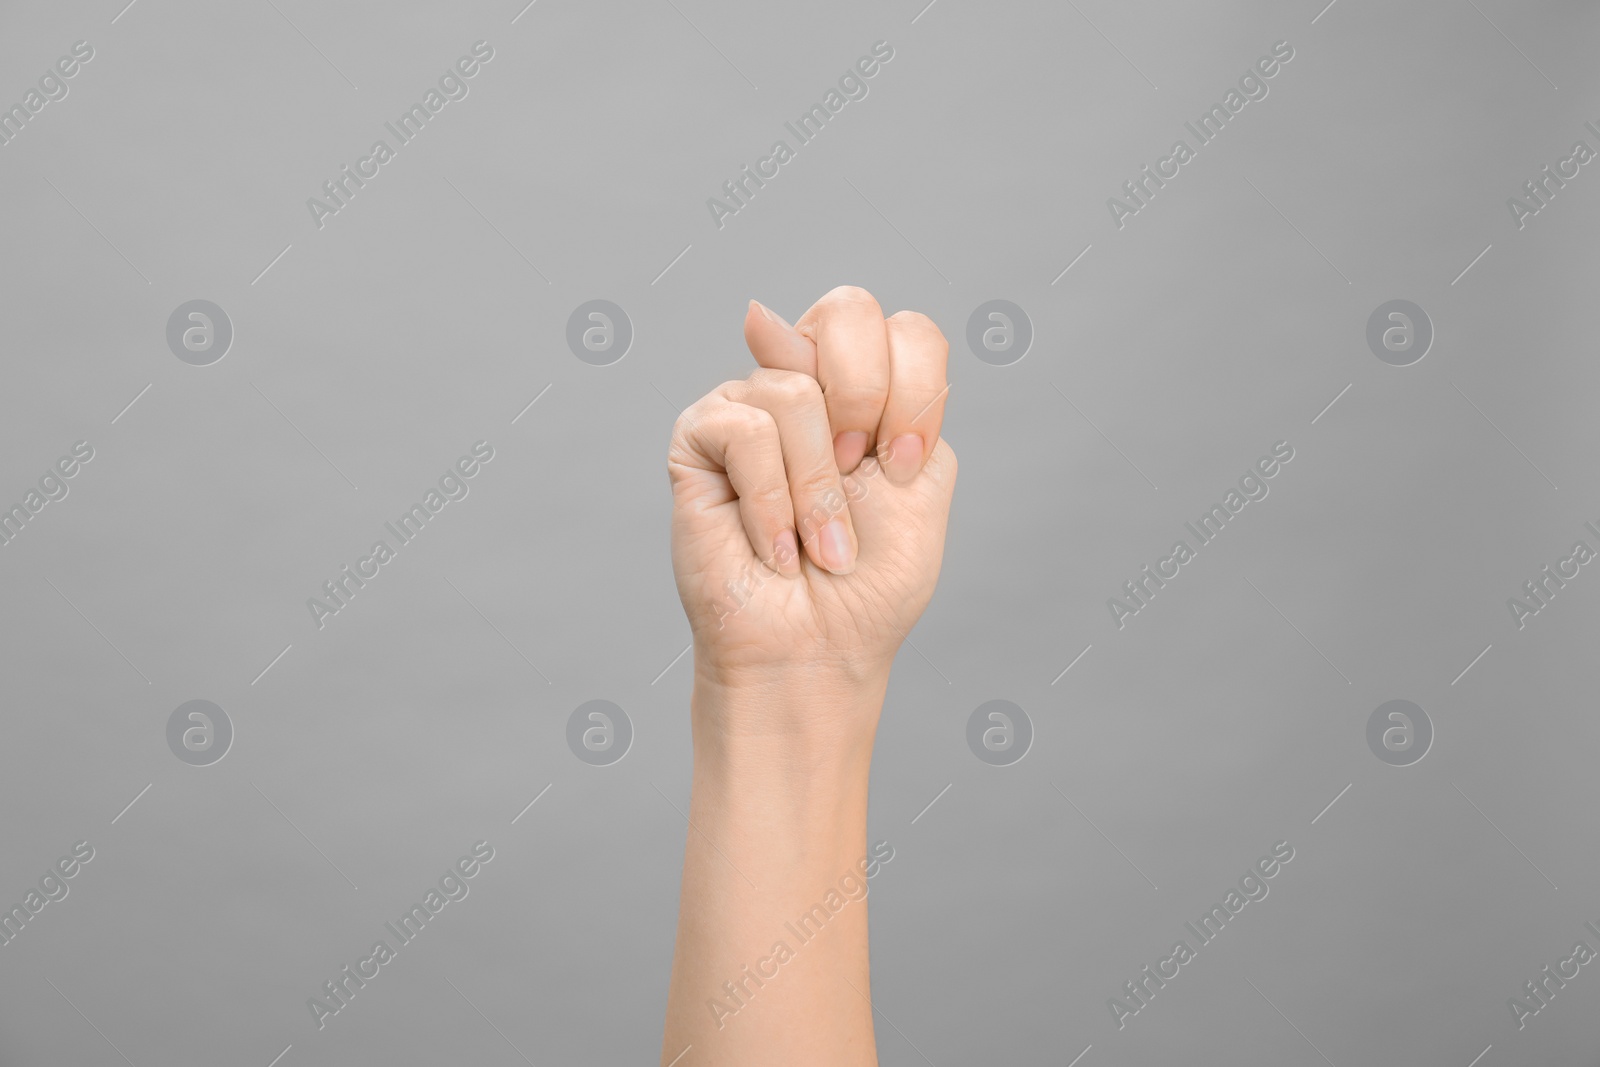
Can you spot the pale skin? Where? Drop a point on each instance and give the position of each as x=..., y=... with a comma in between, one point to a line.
x=809, y=510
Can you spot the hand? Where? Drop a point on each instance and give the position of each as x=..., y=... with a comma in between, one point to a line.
x=809, y=510
x=810, y=500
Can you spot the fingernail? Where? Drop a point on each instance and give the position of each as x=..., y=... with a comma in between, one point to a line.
x=770, y=315
x=848, y=448
x=786, y=553
x=834, y=547
x=903, y=458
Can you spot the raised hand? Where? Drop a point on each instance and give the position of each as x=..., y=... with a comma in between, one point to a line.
x=810, y=499
x=809, y=510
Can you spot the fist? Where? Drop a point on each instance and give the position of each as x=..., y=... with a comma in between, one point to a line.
x=810, y=499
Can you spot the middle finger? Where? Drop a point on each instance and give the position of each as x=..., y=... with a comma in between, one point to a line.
x=852, y=367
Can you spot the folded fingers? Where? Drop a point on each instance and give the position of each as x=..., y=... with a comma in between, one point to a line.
x=795, y=403
x=883, y=381
x=718, y=436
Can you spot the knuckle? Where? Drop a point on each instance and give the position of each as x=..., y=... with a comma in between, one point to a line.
x=852, y=297
x=915, y=328
x=790, y=387
x=771, y=499
x=820, y=489
x=683, y=427
x=857, y=398
x=697, y=414
x=915, y=323
x=906, y=318
x=681, y=448
x=745, y=421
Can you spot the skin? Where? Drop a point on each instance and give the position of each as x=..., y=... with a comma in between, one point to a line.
x=809, y=511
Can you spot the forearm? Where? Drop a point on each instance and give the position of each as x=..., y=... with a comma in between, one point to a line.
x=771, y=963
x=802, y=558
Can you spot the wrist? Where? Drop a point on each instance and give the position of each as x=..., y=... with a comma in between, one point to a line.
x=802, y=718
x=781, y=778
x=756, y=671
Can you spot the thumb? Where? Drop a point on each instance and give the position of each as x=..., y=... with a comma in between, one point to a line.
x=777, y=345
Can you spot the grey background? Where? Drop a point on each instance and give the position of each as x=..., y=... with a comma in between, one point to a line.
x=426, y=715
